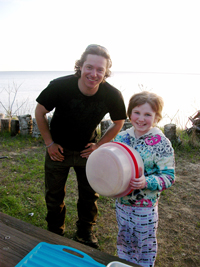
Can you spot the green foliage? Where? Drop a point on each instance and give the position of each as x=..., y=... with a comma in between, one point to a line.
x=187, y=143
x=22, y=190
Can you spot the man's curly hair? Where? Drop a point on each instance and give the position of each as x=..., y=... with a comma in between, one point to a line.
x=94, y=49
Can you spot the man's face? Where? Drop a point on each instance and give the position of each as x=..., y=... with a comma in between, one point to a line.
x=93, y=71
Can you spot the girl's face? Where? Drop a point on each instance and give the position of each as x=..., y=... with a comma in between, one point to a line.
x=142, y=118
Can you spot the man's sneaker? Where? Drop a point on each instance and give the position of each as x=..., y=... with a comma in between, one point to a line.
x=87, y=237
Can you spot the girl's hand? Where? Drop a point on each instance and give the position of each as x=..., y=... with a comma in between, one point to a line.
x=138, y=183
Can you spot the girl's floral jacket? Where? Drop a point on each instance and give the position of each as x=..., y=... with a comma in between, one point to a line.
x=158, y=157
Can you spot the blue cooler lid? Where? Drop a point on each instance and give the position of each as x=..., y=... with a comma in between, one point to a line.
x=45, y=254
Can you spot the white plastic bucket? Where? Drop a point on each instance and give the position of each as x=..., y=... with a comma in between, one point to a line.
x=117, y=264
x=110, y=167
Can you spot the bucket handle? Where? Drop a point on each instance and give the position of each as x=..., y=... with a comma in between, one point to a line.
x=72, y=252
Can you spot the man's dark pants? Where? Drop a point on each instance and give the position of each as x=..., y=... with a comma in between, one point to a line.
x=55, y=179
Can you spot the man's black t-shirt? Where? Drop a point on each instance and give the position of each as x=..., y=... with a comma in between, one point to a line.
x=76, y=115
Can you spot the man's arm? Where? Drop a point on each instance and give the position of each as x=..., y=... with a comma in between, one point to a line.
x=42, y=123
x=112, y=131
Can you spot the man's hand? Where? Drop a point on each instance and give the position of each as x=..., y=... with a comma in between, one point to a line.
x=90, y=147
x=55, y=152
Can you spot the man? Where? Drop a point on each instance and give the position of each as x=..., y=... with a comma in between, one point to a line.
x=80, y=101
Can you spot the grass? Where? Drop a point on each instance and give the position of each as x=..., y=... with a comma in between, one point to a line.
x=22, y=187
x=22, y=193
x=22, y=178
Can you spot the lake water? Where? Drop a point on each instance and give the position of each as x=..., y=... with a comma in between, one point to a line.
x=181, y=92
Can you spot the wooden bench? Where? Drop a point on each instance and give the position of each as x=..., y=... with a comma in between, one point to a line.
x=18, y=238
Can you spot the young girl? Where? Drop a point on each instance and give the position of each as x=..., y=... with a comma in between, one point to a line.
x=137, y=213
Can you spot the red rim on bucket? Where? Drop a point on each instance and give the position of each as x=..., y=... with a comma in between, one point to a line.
x=127, y=192
x=132, y=156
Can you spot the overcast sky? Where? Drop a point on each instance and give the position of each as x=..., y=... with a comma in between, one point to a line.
x=142, y=36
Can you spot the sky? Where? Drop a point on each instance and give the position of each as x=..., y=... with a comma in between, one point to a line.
x=140, y=35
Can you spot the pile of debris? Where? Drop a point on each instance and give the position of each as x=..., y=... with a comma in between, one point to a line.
x=195, y=119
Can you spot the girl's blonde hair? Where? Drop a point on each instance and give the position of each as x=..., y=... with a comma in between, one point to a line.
x=155, y=101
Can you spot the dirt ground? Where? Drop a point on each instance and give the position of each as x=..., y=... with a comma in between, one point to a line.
x=179, y=218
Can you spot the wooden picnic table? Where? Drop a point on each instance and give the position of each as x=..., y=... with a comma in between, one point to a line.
x=18, y=238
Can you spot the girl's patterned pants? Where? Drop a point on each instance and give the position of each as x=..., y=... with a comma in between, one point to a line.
x=136, y=240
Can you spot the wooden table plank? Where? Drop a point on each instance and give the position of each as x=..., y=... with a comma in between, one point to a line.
x=18, y=238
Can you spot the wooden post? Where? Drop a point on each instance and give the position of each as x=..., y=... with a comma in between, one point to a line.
x=127, y=124
x=170, y=132
x=1, y=117
x=36, y=131
x=5, y=125
x=25, y=124
x=14, y=127
x=105, y=124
